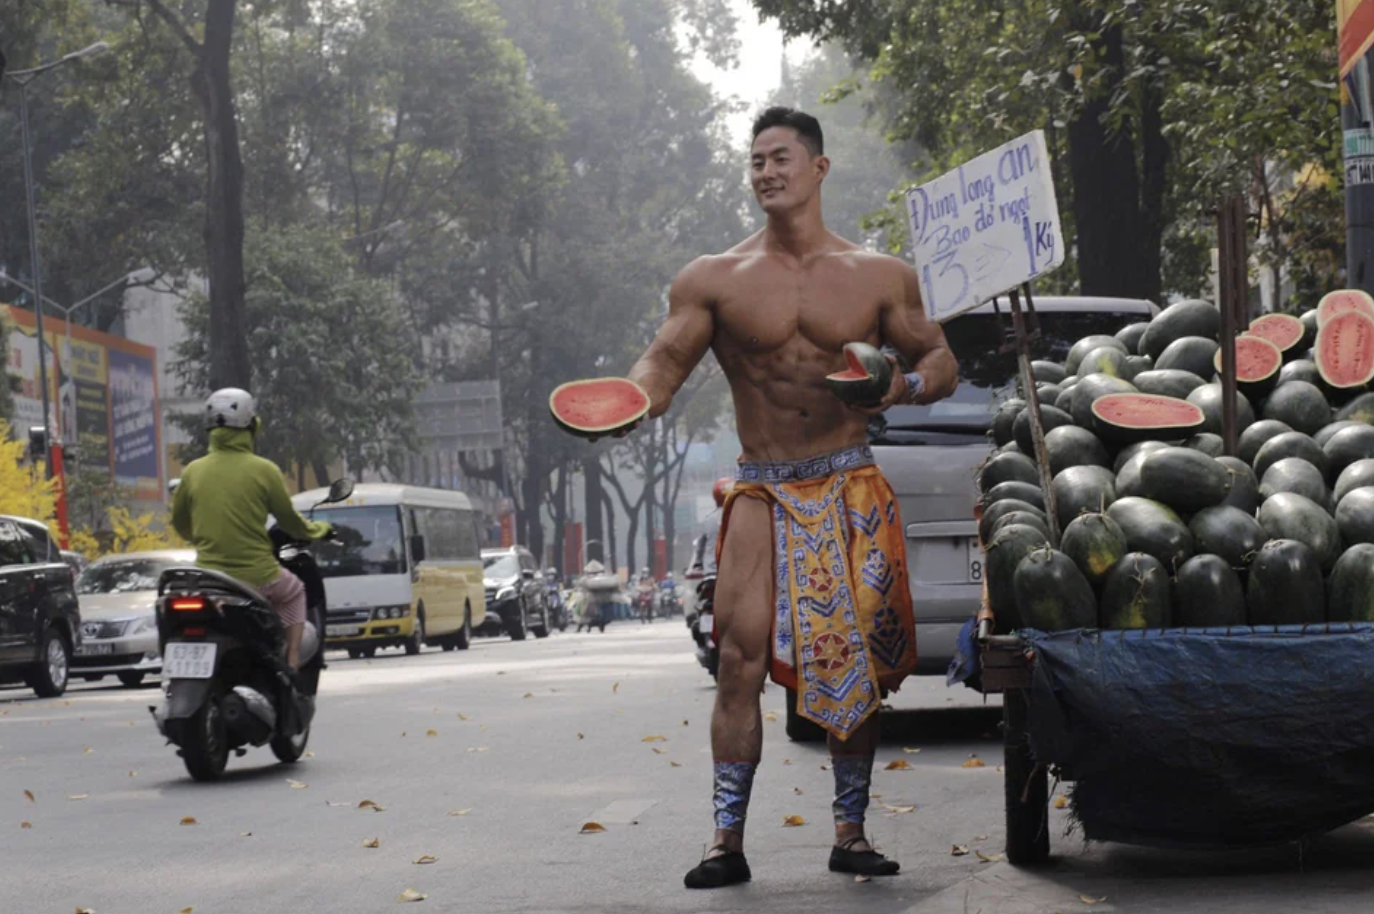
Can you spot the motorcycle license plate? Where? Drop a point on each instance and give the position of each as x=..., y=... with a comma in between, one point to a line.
x=705, y=622
x=189, y=660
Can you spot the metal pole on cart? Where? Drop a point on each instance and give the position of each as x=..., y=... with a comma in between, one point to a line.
x=1234, y=275
x=1021, y=340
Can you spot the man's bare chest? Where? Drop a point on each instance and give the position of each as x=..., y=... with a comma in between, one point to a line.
x=763, y=309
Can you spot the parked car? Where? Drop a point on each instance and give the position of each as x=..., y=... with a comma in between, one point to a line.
x=930, y=455
x=118, y=596
x=517, y=598
x=76, y=560
x=40, y=619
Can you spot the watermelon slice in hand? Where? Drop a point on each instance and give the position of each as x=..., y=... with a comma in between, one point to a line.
x=597, y=407
x=867, y=378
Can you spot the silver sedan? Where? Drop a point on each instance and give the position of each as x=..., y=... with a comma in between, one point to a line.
x=118, y=615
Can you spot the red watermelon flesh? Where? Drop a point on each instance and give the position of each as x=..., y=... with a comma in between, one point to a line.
x=1345, y=349
x=1118, y=415
x=867, y=378
x=1257, y=358
x=1283, y=330
x=1344, y=301
x=856, y=370
x=598, y=406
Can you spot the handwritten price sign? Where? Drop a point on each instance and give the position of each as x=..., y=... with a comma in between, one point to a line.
x=986, y=227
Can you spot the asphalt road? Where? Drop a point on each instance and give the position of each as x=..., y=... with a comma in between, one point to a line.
x=492, y=760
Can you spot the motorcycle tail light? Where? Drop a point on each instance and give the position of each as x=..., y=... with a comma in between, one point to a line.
x=193, y=632
x=192, y=604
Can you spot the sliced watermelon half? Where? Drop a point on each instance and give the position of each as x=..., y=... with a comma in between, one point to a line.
x=1258, y=362
x=1125, y=418
x=1345, y=350
x=866, y=379
x=1341, y=301
x=600, y=406
x=1283, y=330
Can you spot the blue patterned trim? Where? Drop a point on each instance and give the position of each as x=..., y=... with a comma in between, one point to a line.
x=853, y=776
x=734, y=782
x=821, y=467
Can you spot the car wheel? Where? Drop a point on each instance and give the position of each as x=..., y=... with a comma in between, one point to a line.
x=417, y=637
x=515, y=625
x=369, y=652
x=354, y=653
x=49, y=676
x=463, y=639
x=131, y=678
x=801, y=729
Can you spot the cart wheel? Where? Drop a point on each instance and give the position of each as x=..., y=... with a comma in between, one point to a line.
x=1027, y=787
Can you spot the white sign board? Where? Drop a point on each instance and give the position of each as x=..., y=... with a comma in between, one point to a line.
x=986, y=227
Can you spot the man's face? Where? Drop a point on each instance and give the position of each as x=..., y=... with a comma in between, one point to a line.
x=782, y=170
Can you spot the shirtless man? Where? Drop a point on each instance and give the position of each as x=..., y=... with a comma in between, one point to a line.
x=836, y=622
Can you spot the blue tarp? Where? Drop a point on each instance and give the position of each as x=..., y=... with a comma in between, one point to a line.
x=1208, y=737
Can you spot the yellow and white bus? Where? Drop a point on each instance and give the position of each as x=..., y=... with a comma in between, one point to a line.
x=405, y=568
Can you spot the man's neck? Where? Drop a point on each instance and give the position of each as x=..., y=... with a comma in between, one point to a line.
x=800, y=233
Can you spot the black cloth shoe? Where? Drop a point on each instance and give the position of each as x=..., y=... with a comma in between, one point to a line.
x=863, y=863
x=728, y=868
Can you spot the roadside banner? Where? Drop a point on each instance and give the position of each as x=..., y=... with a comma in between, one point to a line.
x=1355, y=24
x=986, y=227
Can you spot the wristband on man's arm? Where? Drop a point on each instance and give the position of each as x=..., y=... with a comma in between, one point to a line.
x=915, y=385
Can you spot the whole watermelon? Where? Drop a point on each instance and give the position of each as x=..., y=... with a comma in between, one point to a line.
x=1004, y=554
x=1207, y=594
x=1136, y=594
x=1095, y=543
x=1051, y=594
x=1285, y=585
x=1350, y=590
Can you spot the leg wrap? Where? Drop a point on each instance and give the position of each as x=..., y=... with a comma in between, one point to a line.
x=853, y=776
x=734, y=784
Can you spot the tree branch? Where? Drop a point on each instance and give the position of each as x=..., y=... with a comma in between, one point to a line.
x=176, y=24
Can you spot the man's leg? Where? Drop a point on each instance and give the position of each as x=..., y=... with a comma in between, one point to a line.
x=852, y=761
x=287, y=596
x=743, y=622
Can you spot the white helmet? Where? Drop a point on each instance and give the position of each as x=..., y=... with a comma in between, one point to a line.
x=230, y=408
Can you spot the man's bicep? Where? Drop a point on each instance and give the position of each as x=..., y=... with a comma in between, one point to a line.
x=906, y=327
x=681, y=341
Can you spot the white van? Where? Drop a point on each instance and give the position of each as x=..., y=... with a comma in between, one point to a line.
x=404, y=569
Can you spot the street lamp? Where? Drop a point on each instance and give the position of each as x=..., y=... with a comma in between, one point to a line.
x=23, y=78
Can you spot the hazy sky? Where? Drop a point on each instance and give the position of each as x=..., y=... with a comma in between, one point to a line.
x=760, y=66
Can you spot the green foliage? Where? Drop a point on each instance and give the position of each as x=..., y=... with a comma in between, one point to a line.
x=334, y=367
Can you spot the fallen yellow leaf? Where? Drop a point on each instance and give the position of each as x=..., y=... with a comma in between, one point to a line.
x=654, y=738
x=26, y=825
x=372, y=842
x=368, y=804
x=245, y=834
x=297, y=785
x=894, y=811
x=615, y=688
x=910, y=751
x=426, y=860
x=592, y=828
x=900, y=764
x=792, y=821
x=1088, y=899
x=862, y=878
x=990, y=858
x=29, y=794
x=431, y=732
x=657, y=751
x=85, y=911
x=1061, y=802
x=78, y=796
x=189, y=820
x=412, y=895
x=464, y=717
x=674, y=764
x=528, y=695
x=133, y=774
x=958, y=850
x=686, y=723
x=460, y=812
x=186, y=910
x=787, y=761
x=770, y=715
x=975, y=763
x=87, y=751
x=580, y=736
x=310, y=753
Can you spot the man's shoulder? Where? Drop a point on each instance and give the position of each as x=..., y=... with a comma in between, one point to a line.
x=876, y=262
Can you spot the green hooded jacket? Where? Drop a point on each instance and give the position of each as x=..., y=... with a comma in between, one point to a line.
x=222, y=504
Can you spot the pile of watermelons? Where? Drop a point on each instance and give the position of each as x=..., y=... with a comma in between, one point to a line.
x=1158, y=529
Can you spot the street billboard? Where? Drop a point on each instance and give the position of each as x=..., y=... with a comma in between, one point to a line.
x=1355, y=25
x=103, y=395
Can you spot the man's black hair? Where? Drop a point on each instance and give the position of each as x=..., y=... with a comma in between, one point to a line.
x=807, y=127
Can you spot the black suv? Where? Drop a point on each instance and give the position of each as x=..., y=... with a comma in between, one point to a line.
x=39, y=617
x=517, y=597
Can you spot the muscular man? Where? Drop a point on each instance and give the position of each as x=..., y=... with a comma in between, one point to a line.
x=812, y=580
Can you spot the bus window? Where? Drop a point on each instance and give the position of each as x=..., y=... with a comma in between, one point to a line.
x=367, y=541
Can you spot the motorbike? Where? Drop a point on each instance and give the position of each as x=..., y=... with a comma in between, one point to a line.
x=669, y=603
x=701, y=620
x=226, y=682
x=644, y=604
x=558, y=608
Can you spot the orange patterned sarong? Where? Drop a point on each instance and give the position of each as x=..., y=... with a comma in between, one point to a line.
x=843, y=630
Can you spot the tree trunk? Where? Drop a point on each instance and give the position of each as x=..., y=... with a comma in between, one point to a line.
x=229, y=357
x=1153, y=186
x=321, y=470
x=609, y=507
x=650, y=496
x=560, y=519
x=594, y=495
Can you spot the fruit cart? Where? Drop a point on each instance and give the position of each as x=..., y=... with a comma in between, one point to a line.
x=1221, y=738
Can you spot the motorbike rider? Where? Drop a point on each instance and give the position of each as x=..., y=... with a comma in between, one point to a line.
x=667, y=589
x=221, y=508
x=645, y=589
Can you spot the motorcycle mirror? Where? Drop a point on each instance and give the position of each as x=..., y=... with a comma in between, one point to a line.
x=339, y=489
